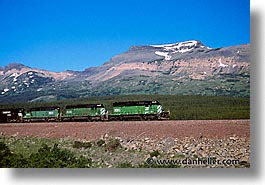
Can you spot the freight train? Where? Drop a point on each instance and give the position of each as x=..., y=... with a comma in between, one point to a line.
x=130, y=110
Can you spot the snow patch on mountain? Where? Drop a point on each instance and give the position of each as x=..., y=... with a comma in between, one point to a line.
x=15, y=75
x=180, y=47
x=221, y=64
x=163, y=54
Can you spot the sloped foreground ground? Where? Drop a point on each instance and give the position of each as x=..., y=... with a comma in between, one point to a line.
x=146, y=143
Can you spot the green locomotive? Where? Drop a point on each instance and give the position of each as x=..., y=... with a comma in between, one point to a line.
x=42, y=114
x=142, y=110
x=89, y=112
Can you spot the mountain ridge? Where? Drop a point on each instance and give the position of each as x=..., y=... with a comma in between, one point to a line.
x=186, y=68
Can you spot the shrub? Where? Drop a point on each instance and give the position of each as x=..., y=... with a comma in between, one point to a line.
x=5, y=155
x=79, y=144
x=155, y=153
x=58, y=158
x=113, y=144
x=100, y=142
x=46, y=157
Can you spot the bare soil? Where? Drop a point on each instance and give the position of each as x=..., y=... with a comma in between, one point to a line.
x=130, y=129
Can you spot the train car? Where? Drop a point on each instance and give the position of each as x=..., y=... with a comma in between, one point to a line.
x=141, y=110
x=11, y=115
x=42, y=114
x=86, y=112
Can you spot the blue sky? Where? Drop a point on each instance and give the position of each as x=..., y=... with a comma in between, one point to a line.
x=76, y=34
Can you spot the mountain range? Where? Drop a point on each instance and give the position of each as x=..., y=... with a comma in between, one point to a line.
x=185, y=68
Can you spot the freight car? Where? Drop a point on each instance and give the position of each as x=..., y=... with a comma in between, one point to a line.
x=42, y=114
x=11, y=115
x=140, y=110
x=87, y=112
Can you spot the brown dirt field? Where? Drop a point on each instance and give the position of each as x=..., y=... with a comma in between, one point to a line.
x=131, y=129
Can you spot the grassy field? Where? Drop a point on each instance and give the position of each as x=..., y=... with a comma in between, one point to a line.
x=180, y=107
x=65, y=153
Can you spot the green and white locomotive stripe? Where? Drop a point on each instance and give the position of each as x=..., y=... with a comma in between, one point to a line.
x=102, y=111
x=159, y=109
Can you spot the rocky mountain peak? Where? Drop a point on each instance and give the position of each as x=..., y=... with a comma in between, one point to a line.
x=14, y=65
x=181, y=47
x=166, y=52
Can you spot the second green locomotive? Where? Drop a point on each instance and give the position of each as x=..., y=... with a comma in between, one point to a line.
x=88, y=112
